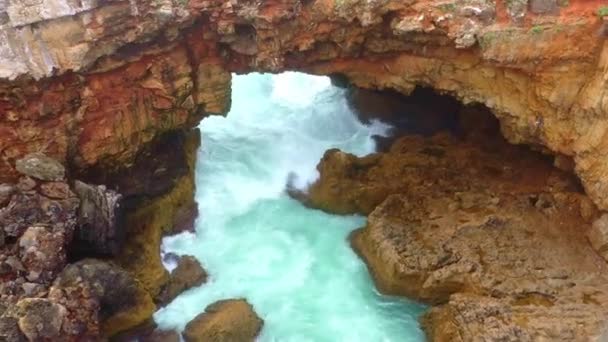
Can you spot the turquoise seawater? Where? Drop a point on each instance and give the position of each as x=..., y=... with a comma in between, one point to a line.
x=293, y=264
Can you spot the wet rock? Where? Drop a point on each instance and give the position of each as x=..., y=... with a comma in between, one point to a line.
x=187, y=274
x=422, y=112
x=98, y=219
x=40, y=166
x=32, y=289
x=40, y=318
x=225, y=320
x=82, y=305
x=42, y=252
x=161, y=336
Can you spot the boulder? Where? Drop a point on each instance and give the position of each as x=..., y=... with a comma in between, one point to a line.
x=123, y=302
x=40, y=319
x=225, y=320
x=188, y=273
x=40, y=166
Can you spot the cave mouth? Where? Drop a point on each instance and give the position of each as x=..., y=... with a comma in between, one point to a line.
x=292, y=263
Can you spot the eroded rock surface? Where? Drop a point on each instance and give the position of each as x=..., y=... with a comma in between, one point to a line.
x=188, y=273
x=491, y=234
x=93, y=83
x=225, y=320
x=42, y=296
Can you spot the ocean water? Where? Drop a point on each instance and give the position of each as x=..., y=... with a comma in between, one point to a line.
x=293, y=264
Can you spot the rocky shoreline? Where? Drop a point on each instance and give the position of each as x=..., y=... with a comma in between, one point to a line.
x=53, y=225
x=98, y=100
x=492, y=235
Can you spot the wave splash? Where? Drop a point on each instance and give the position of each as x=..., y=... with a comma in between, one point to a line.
x=293, y=264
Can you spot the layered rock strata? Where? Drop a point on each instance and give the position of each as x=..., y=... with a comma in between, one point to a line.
x=225, y=320
x=92, y=83
x=100, y=86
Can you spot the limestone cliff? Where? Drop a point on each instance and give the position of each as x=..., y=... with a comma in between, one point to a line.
x=91, y=82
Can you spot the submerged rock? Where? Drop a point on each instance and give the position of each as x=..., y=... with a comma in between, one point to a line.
x=225, y=320
x=188, y=273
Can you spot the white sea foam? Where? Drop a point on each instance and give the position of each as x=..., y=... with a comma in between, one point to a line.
x=292, y=263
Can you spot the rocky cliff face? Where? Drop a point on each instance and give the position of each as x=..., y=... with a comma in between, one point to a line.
x=102, y=85
x=91, y=82
x=490, y=234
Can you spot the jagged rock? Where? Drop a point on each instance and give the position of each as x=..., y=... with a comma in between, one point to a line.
x=187, y=274
x=497, y=246
x=56, y=190
x=43, y=252
x=225, y=320
x=40, y=166
x=83, y=306
x=6, y=190
x=161, y=336
x=27, y=208
x=123, y=302
x=98, y=219
x=40, y=319
x=475, y=50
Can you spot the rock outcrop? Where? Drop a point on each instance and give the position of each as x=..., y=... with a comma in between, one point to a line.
x=188, y=273
x=93, y=83
x=225, y=320
x=101, y=86
x=489, y=233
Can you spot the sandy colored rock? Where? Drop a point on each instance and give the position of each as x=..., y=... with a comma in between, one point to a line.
x=225, y=320
x=490, y=234
x=188, y=273
x=40, y=319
